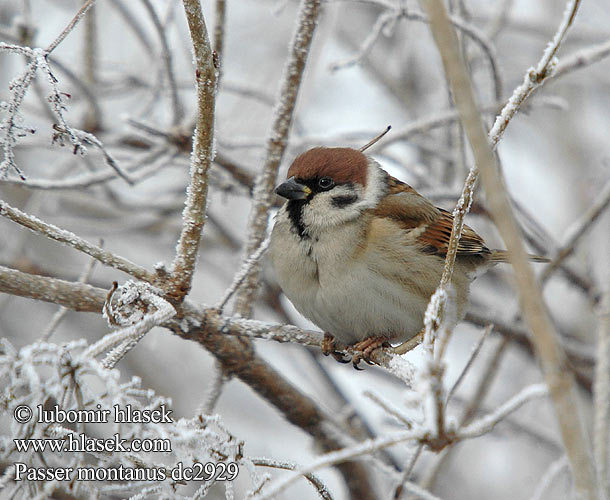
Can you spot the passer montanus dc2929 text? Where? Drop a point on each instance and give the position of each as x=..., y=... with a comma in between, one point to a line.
x=359, y=253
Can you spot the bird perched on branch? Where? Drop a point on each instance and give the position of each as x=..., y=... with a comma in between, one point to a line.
x=359, y=253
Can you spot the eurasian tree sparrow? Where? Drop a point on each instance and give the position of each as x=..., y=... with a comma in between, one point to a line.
x=359, y=253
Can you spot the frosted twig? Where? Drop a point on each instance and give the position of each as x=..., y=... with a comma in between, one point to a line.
x=406, y=473
x=276, y=144
x=75, y=20
x=577, y=230
x=247, y=266
x=320, y=487
x=549, y=477
x=384, y=24
x=474, y=353
x=61, y=312
x=153, y=162
x=444, y=118
x=582, y=59
x=559, y=380
x=534, y=77
x=80, y=138
x=166, y=57
x=134, y=296
x=297, y=408
x=390, y=410
x=12, y=129
x=335, y=457
x=70, y=239
x=193, y=216
x=487, y=423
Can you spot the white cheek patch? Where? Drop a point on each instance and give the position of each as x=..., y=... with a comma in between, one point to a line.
x=344, y=203
x=322, y=211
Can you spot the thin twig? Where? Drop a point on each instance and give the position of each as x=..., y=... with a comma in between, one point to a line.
x=320, y=487
x=576, y=231
x=61, y=312
x=550, y=477
x=474, y=353
x=481, y=426
x=193, y=216
x=166, y=57
x=247, y=266
x=559, y=380
x=70, y=239
x=276, y=144
x=75, y=20
x=534, y=77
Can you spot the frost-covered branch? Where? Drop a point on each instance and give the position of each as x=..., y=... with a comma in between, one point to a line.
x=317, y=483
x=133, y=299
x=193, y=216
x=386, y=23
x=418, y=433
x=534, y=77
x=559, y=380
x=247, y=266
x=276, y=144
x=70, y=239
x=488, y=422
x=215, y=332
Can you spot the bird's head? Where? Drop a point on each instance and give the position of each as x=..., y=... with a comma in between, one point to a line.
x=331, y=186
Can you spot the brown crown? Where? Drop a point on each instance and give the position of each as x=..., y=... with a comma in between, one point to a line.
x=340, y=164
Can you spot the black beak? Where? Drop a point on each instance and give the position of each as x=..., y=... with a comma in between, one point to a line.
x=292, y=190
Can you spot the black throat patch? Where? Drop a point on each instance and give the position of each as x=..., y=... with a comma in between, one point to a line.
x=295, y=213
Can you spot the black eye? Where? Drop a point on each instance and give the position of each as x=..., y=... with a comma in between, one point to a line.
x=326, y=183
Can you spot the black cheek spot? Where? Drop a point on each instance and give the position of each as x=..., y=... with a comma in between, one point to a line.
x=343, y=201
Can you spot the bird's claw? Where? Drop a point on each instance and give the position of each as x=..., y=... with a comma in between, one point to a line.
x=328, y=347
x=365, y=348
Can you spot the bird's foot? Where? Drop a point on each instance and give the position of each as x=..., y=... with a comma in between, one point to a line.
x=328, y=347
x=364, y=349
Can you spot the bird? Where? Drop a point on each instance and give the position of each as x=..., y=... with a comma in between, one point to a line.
x=359, y=253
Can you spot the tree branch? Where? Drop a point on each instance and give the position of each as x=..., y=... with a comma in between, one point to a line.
x=276, y=144
x=193, y=216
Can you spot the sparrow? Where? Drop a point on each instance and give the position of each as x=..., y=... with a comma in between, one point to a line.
x=359, y=253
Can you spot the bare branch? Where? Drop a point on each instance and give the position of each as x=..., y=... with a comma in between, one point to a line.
x=75, y=296
x=276, y=144
x=193, y=215
x=320, y=487
x=75, y=20
x=559, y=380
x=534, y=77
x=166, y=57
x=211, y=331
x=70, y=239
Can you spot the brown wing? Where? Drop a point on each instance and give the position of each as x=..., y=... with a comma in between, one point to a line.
x=431, y=226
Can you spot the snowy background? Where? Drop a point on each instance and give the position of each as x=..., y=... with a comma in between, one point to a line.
x=555, y=156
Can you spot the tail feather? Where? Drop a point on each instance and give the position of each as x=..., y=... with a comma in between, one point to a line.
x=502, y=256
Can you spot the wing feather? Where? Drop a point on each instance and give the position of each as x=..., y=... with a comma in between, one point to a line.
x=430, y=225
